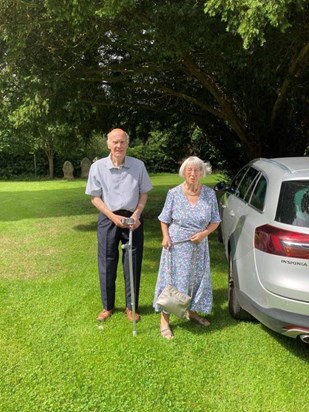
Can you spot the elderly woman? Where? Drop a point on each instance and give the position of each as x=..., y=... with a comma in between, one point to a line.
x=189, y=215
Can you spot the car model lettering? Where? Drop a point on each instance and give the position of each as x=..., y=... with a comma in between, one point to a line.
x=292, y=262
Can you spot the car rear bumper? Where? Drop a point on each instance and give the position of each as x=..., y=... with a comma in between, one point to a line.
x=286, y=323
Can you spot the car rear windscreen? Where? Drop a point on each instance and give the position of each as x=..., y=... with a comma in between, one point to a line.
x=293, y=205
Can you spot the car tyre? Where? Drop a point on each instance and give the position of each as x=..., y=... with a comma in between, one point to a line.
x=219, y=234
x=235, y=310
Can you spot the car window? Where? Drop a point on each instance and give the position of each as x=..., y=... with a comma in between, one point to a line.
x=247, y=183
x=238, y=178
x=258, y=195
x=293, y=205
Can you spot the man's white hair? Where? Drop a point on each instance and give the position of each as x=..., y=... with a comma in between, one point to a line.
x=118, y=129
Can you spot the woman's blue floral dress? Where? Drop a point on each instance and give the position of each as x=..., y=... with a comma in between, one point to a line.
x=185, y=219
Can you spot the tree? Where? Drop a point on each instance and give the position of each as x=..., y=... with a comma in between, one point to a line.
x=172, y=60
x=253, y=20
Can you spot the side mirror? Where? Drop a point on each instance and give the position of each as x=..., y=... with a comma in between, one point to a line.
x=221, y=186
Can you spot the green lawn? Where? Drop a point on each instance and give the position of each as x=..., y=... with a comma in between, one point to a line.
x=55, y=357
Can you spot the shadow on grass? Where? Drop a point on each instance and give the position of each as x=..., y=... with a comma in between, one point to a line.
x=44, y=204
x=296, y=346
x=151, y=233
x=91, y=227
x=219, y=318
x=31, y=204
x=38, y=204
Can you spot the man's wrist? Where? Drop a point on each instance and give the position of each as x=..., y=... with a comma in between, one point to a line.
x=136, y=215
x=139, y=210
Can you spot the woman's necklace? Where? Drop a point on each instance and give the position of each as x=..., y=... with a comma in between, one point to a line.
x=192, y=192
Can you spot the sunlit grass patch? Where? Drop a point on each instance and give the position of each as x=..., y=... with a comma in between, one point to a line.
x=55, y=356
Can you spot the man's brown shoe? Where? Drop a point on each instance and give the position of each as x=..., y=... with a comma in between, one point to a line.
x=105, y=314
x=129, y=314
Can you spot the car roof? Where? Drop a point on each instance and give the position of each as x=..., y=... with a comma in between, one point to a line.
x=285, y=165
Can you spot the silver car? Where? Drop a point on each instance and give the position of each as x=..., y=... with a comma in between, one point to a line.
x=265, y=231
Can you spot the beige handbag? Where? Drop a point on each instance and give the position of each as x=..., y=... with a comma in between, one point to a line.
x=171, y=300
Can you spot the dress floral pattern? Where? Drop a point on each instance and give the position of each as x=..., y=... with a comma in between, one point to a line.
x=188, y=261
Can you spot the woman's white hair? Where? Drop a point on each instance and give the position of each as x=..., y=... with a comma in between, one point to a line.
x=205, y=167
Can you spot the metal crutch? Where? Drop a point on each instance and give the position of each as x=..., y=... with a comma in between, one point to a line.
x=128, y=246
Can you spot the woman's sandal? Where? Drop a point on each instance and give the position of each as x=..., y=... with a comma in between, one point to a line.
x=199, y=319
x=166, y=333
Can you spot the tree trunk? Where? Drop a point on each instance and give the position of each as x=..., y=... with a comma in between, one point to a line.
x=49, y=150
x=50, y=157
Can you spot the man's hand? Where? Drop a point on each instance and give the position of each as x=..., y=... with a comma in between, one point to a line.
x=119, y=221
x=136, y=224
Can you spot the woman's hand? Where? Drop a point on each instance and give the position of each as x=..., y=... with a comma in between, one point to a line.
x=198, y=237
x=166, y=242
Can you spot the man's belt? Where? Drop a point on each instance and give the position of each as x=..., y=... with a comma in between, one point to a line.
x=123, y=212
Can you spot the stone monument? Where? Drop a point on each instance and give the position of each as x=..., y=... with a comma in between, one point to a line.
x=85, y=166
x=68, y=170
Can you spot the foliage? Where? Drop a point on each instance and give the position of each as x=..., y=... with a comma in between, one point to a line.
x=18, y=165
x=84, y=67
x=201, y=144
x=155, y=154
x=251, y=19
x=163, y=151
x=55, y=357
x=20, y=161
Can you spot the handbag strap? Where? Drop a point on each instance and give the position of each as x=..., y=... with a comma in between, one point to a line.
x=169, y=256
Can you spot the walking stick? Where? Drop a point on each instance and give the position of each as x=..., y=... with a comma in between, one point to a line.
x=128, y=246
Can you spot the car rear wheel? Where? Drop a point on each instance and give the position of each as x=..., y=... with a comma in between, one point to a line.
x=235, y=310
x=219, y=234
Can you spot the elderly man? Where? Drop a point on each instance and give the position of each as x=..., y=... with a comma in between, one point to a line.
x=118, y=186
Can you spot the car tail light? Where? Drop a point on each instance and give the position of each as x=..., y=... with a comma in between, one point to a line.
x=281, y=242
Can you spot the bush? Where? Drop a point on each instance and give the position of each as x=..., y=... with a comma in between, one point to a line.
x=22, y=164
x=155, y=157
